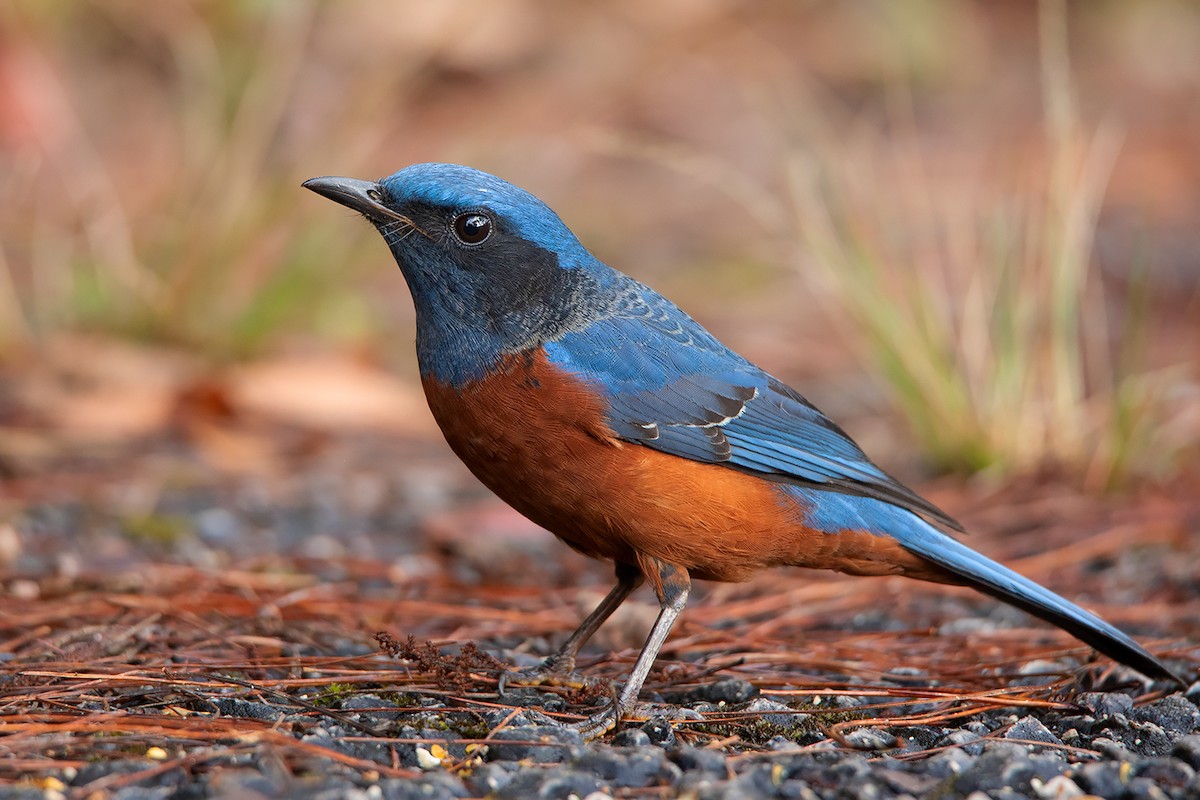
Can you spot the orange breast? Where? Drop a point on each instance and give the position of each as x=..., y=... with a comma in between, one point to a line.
x=537, y=437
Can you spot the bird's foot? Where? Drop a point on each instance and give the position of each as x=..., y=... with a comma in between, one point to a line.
x=549, y=673
x=598, y=724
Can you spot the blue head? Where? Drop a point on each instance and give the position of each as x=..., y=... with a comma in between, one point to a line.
x=492, y=269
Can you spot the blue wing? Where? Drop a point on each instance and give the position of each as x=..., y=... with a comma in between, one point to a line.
x=672, y=386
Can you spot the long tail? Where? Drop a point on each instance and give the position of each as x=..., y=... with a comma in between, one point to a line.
x=1001, y=582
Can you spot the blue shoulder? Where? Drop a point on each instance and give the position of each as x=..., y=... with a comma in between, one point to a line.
x=672, y=386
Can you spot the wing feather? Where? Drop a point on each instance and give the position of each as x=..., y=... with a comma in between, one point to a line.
x=672, y=386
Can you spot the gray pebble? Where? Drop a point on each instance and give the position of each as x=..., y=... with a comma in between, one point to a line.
x=1031, y=729
x=916, y=737
x=695, y=759
x=246, y=709
x=774, y=713
x=434, y=786
x=628, y=768
x=487, y=779
x=554, y=784
x=1103, y=779
x=1145, y=789
x=1187, y=750
x=1060, y=787
x=1105, y=704
x=871, y=739
x=539, y=744
x=969, y=742
x=659, y=729
x=1166, y=772
x=1174, y=713
x=729, y=690
x=631, y=737
x=373, y=708
x=1110, y=749
x=954, y=761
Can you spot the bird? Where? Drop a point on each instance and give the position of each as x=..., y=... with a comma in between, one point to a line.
x=604, y=413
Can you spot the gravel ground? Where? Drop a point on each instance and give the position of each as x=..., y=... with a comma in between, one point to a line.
x=155, y=643
x=1109, y=748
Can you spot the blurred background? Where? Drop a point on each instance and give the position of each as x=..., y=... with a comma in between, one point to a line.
x=969, y=231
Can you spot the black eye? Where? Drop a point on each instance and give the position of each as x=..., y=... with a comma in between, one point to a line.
x=472, y=227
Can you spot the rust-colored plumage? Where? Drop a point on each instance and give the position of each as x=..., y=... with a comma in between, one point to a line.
x=537, y=438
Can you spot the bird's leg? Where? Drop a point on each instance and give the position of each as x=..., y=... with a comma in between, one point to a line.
x=672, y=585
x=559, y=668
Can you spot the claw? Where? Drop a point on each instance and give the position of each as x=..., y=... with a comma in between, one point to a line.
x=597, y=724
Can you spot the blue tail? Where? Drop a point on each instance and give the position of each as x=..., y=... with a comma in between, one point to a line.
x=833, y=512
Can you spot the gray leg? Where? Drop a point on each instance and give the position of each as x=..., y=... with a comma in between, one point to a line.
x=561, y=663
x=672, y=584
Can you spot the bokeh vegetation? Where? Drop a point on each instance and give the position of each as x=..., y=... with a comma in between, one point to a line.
x=998, y=202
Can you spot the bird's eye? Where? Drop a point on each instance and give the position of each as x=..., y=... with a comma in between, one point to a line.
x=472, y=227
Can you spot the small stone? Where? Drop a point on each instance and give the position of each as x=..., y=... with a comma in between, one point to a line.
x=1039, y=671
x=834, y=701
x=729, y=690
x=1103, y=779
x=539, y=744
x=986, y=773
x=774, y=713
x=233, y=707
x=695, y=759
x=1146, y=739
x=568, y=783
x=1081, y=724
x=1110, y=749
x=908, y=783
x=660, y=731
x=487, y=779
x=1187, y=750
x=531, y=697
x=1106, y=704
x=1175, y=714
x=870, y=739
x=1166, y=771
x=977, y=727
x=953, y=761
x=427, y=760
x=218, y=526
x=1145, y=789
x=631, y=737
x=760, y=780
x=434, y=786
x=1030, y=729
x=1060, y=787
x=969, y=741
x=628, y=768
